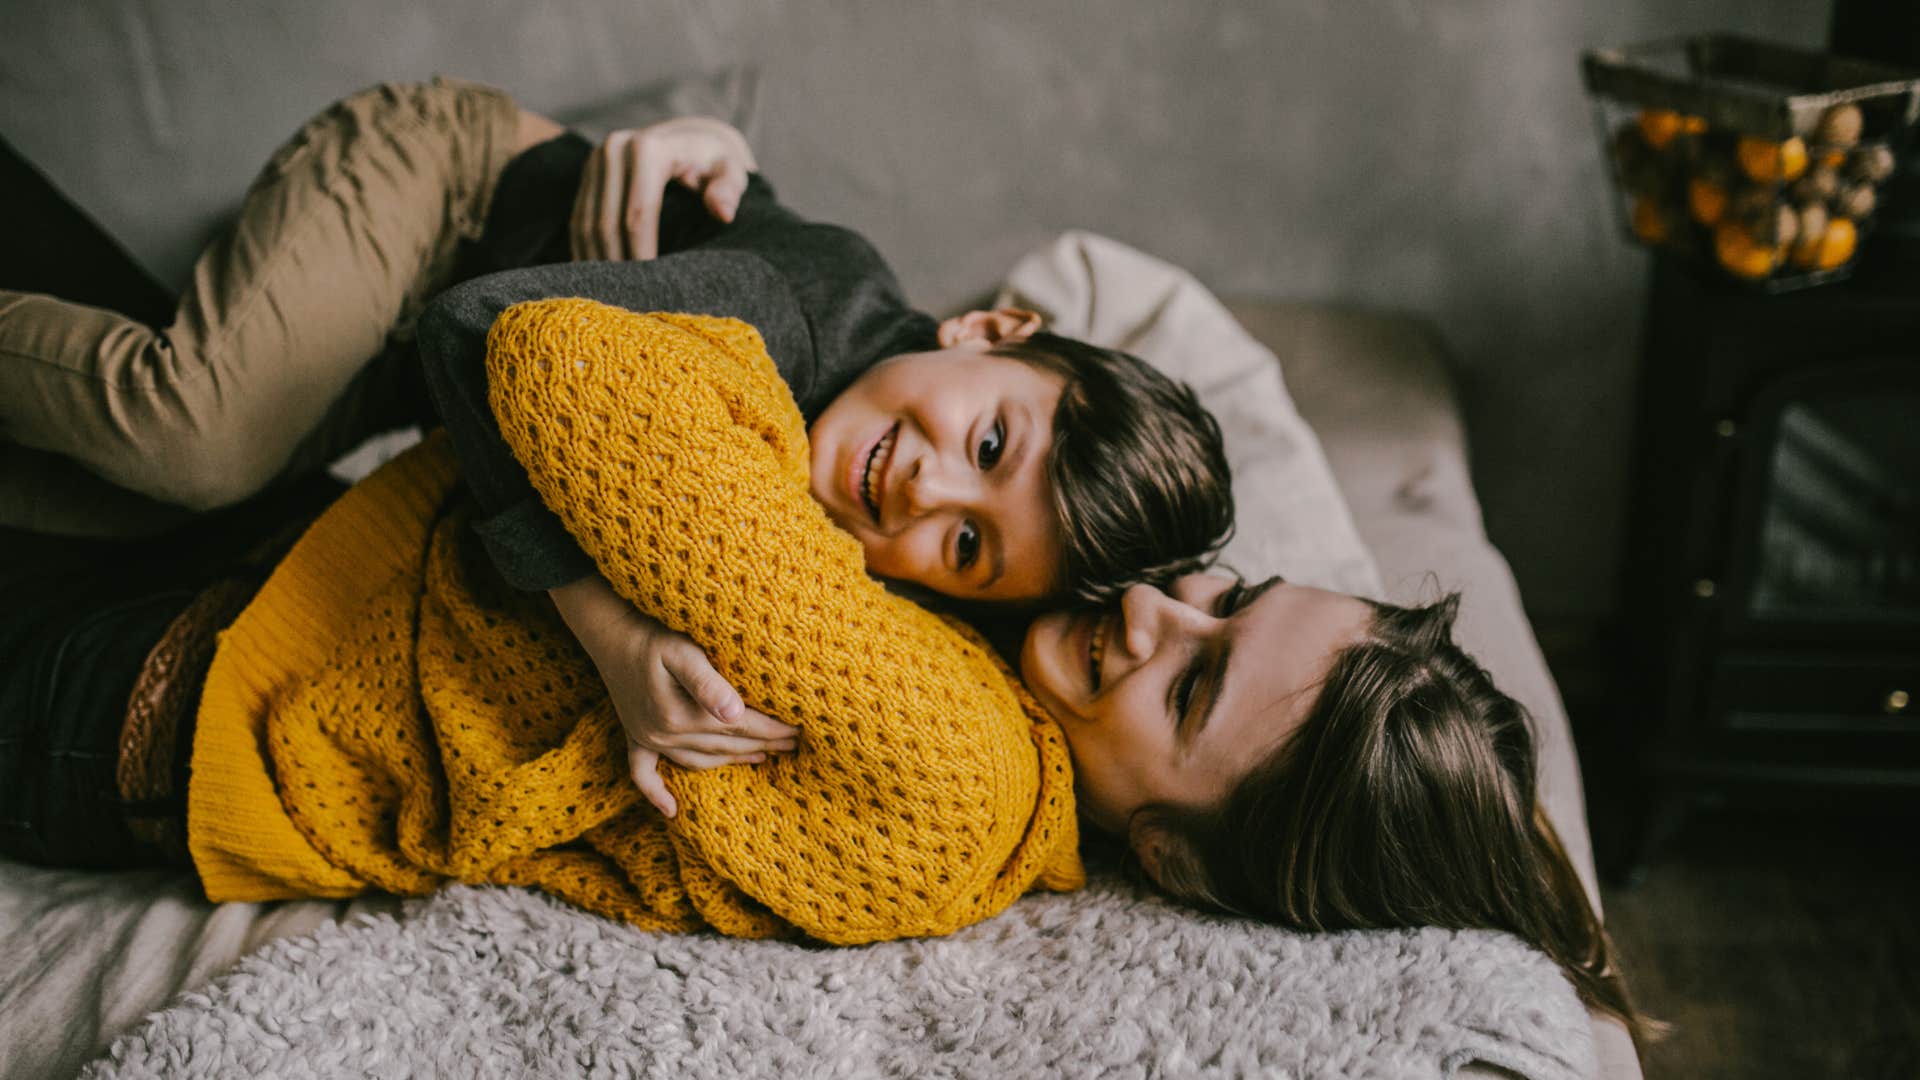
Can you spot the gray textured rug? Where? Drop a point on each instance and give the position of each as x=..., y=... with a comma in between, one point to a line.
x=1106, y=982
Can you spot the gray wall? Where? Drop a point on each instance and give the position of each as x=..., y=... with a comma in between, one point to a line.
x=1417, y=154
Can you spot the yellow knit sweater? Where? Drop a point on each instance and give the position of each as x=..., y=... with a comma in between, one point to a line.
x=387, y=715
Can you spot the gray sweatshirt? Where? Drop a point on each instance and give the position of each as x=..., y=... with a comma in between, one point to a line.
x=820, y=295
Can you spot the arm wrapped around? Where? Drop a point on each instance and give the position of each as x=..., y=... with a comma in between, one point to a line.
x=389, y=714
x=929, y=790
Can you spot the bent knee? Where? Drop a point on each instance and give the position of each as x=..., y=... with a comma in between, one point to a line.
x=204, y=473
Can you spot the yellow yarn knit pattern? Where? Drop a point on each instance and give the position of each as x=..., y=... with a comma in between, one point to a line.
x=387, y=714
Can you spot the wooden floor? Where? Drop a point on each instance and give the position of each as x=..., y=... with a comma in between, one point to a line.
x=1779, y=945
x=1778, y=934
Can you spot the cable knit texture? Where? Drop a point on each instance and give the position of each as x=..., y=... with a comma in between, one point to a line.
x=388, y=715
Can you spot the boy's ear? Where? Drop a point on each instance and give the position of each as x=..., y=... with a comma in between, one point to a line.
x=989, y=328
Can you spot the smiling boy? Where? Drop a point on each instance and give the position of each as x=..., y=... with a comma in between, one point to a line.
x=980, y=457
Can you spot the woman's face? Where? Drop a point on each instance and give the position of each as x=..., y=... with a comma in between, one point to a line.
x=937, y=463
x=1168, y=698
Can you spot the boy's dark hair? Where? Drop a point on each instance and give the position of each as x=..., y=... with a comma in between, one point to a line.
x=1139, y=471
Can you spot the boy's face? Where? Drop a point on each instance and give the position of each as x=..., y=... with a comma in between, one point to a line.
x=936, y=462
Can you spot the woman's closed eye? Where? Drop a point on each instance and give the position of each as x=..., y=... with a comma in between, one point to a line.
x=1207, y=660
x=1183, y=692
x=1199, y=684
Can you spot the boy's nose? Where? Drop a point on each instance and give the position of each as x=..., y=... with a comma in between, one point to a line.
x=928, y=487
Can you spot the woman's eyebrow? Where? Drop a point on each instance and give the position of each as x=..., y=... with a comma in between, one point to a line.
x=1255, y=592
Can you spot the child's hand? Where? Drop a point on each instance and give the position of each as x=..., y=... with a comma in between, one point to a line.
x=674, y=705
x=670, y=700
x=616, y=213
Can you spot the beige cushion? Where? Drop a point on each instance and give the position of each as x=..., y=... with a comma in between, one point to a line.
x=1291, y=519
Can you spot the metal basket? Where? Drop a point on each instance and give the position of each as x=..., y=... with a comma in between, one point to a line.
x=1679, y=118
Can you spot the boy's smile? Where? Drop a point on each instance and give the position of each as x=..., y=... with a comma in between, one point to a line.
x=867, y=471
x=937, y=463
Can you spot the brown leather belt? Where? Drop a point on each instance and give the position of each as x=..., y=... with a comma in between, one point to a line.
x=157, y=736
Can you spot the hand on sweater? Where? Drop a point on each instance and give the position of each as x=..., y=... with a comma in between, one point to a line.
x=671, y=701
x=616, y=215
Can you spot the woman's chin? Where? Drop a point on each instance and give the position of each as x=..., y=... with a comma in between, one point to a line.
x=1030, y=649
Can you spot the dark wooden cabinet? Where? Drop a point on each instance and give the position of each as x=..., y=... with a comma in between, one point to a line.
x=1773, y=561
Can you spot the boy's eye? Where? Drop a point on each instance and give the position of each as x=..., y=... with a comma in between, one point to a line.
x=991, y=446
x=966, y=545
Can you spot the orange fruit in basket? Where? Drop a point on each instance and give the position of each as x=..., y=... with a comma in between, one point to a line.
x=1707, y=200
x=1793, y=158
x=1659, y=126
x=1741, y=254
x=1766, y=161
x=1837, y=245
x=1649, y=223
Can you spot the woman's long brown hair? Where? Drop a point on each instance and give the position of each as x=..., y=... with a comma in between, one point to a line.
x=1407, y=797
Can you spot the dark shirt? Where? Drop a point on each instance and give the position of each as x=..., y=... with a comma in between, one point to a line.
x=820, y=295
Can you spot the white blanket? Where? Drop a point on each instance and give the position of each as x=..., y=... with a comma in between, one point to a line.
x=498, y=982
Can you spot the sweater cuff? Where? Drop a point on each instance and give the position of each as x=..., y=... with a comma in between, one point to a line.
x=531, y=549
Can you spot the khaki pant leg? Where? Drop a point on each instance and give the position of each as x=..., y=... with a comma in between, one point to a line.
x=344, y=236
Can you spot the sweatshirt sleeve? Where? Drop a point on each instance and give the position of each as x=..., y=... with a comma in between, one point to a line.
x=820, y=295
x=532, y=213
x=929, y=791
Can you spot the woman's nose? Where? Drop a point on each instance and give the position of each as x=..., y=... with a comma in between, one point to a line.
x=1148, y=616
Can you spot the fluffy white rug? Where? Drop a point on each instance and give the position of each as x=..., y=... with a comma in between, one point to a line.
x=1107, y=982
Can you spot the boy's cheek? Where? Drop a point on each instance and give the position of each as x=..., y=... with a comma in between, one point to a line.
x=912, y=556
x=885, y=558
